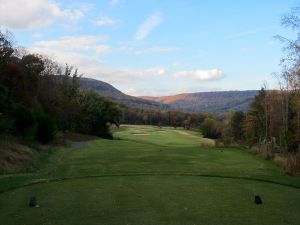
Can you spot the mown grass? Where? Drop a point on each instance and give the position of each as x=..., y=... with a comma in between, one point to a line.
x=153, y=176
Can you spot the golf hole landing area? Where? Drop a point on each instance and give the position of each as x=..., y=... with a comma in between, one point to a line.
x=164, y=178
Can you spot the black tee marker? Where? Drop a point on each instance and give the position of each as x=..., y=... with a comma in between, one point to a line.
x=32, y=202
x=258, y=199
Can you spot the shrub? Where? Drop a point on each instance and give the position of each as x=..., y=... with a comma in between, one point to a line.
x=210, y=128
x=24, y=120
x=6, y=125
x=46, y=128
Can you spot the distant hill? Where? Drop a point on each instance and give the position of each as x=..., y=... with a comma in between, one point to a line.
x=213, y=102
x=114, y=94
x=222, y=101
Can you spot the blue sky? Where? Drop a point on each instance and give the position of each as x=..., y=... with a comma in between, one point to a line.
x=157, y=47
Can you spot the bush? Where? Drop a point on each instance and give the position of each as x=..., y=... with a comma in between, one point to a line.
x=101, y=129
x=210, y=129
x=46, y=128
x=6, y=125
x=24, y=121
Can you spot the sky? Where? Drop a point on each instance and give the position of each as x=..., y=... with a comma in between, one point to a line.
x=157, y=47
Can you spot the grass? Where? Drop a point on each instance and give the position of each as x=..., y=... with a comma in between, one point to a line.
x=153, y=176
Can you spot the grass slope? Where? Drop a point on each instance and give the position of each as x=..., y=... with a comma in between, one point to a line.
x=151, y=176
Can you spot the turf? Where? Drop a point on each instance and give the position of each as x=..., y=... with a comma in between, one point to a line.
x=151, y=175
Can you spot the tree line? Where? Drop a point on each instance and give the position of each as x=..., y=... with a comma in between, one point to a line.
x=274, y=116
x=271, y=126
x=158, y=117
x=39, y=97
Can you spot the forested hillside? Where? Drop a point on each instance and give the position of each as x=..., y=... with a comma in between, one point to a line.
x=209, y=102
x=114, y=94
x=212, y=102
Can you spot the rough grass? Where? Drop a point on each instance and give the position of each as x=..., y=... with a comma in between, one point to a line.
x=14, y=156
x=164, y=177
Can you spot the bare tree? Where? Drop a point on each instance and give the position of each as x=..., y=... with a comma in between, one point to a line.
x=290, y=76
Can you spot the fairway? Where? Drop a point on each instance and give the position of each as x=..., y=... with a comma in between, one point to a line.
x=151, y=176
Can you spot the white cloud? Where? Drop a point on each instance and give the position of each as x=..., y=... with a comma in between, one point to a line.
x=163, y=49
x=37, y=35
x=176, y=64
x=23, y=14
x=244, y=50
x=105, y=21
x=148, y=25
x=134, y=51
x=76, y=43
x=131, y=91
x=72, y=14
x=162, y=71
x=202, y=75
x=114, y=2
x=101, y=49
x=76, y=51
x=93, y=68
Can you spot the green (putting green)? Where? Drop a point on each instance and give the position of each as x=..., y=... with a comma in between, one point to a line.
x=164, y=176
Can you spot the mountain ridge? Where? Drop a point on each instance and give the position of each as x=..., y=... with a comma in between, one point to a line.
x=107, y=90
x=218, y=101
x=210, y=102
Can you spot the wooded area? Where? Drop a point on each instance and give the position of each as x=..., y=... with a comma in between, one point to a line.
x=39, y=97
